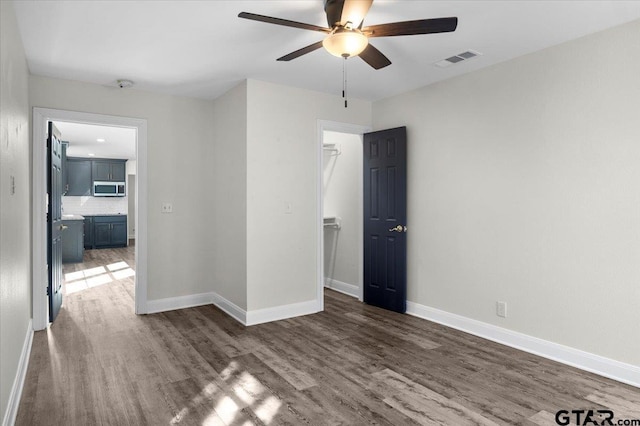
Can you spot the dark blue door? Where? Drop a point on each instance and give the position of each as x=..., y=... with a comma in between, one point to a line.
x=385, y=219
x=54, y=221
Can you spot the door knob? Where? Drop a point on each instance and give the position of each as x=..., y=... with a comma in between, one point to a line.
x=63, y=227
x=398, y=228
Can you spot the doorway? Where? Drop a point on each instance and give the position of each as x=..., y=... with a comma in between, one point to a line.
x=340, y=212
x=41, y=116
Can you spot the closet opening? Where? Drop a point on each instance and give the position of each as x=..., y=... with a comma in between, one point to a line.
x=341, y=209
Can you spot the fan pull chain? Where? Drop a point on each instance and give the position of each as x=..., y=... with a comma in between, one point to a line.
x=344, y=81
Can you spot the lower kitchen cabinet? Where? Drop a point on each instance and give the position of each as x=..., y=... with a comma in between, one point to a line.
x=72, y=241
x=107, y=231
x=88, y=232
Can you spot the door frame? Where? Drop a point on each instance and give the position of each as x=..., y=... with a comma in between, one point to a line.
x=39, y=208
x=356, y=129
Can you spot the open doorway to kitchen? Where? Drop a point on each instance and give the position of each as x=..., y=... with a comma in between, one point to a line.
x=340, y=208
x=98, y=211
x=104, y=207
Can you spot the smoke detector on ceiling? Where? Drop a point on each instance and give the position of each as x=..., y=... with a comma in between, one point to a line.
x=124, y=84
x=457, y=58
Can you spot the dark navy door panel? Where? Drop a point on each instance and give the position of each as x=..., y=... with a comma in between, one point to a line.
x=385, y=219
x=54, y=221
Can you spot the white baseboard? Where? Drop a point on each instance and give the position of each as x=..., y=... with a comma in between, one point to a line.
x=230, y=308
x=244, y=317
x=612, y=369
x=276, y=313
x=180, y=302
x=18, y=382
x=342, y=287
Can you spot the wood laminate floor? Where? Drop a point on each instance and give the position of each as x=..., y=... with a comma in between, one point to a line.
x=100, y=364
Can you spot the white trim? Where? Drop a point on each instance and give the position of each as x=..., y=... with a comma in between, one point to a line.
x=193, y=300
x=612, y=369
x=180, y=302
x=342, y=287
x=258, y=316
x=39, y=189
x=356, y=129
x=277, y=313
x=18, y=382
x=230, y=308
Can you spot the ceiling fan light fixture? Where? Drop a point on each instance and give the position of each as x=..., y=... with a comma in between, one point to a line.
x=345, y=43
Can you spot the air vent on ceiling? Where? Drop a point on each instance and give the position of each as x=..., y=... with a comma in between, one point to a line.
x=457, y=58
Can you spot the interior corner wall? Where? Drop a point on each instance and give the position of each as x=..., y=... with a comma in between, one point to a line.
x=228, y=178
x=524, y=187
x=179, y=159
x=282, y=168
x=15, y=225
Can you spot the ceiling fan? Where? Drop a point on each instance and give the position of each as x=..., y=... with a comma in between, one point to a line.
x=346, y=37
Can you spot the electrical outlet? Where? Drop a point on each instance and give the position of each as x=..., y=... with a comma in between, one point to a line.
x=166, y=208
x=501, y=309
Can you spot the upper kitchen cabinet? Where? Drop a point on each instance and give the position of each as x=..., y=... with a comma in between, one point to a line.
x=78, y=177
x=109, y=170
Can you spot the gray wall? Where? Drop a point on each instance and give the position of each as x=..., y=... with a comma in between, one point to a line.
x=228, y=179
x=283, y=160
x=524, y=187
x=179, y=159
x=15, y=234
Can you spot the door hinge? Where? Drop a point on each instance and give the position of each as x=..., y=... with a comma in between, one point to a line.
x=47, y=288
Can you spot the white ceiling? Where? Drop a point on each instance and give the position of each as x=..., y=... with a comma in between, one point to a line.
x=119, y=142
x=201, y=48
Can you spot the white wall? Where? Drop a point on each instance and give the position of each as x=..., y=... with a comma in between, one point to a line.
x=228, y=181
x=282, y=162
x=179, y=136
x=524, y=187
x=15, y=246
x=342, y=182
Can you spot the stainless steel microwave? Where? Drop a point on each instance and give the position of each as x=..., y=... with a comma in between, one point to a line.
x=108, y=189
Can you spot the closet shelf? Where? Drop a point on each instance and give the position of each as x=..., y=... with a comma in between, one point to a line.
x=332, y=148
x=332, y=222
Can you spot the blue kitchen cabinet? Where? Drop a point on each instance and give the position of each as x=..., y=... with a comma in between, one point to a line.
x=88, y=232
x=109, y=231
x=109, y=170
x=72, y=241
x=78, y=177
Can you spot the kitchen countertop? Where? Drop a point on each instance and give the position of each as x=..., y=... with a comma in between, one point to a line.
x=72, y=217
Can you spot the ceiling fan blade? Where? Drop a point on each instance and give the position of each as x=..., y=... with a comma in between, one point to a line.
x=354, y=11
x=421, y=26
x=374, y=57
x=283, y=22
x=301, y=52
x=333, y=9
x=339, y=12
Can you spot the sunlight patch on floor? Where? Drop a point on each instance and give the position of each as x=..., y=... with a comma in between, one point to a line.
x=227, y=409
x=268, y=409
x=123, y=273
x=117, y=265
x=243, y=391
x=94, y=277
x=72, y=276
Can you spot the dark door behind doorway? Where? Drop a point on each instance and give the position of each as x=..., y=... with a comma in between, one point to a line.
x=385, y=219
x=54, y=220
